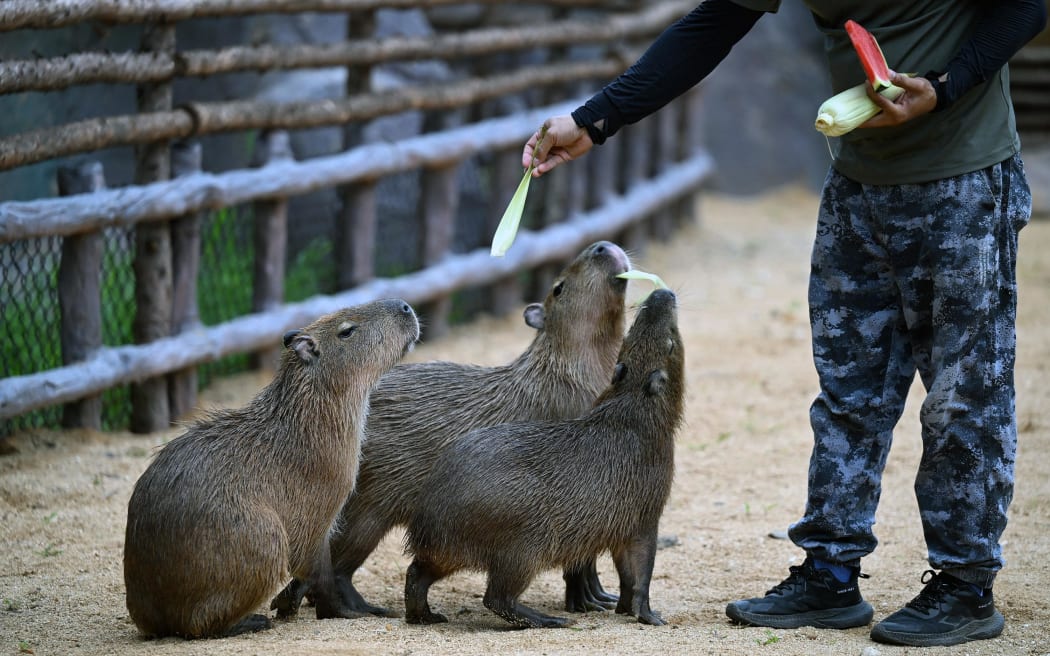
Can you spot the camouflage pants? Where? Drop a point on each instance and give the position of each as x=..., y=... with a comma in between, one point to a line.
x=917, y=277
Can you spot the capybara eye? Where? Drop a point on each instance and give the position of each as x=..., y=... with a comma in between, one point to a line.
x=670, y=346
x=346, y=330
x=558, y=288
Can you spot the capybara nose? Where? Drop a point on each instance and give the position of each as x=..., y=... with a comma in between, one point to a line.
x=661, y=296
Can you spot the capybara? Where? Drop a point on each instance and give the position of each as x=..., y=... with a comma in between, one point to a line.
x=418, y=409
x=515, y=499
x=228, y=511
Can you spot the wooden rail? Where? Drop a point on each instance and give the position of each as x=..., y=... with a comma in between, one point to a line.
x=137, y=68
x=121, y=365
x=127, y=206
x=161, y=214
x=33, y=14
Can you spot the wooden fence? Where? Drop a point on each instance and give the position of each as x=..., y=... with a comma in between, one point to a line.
x=628, y=190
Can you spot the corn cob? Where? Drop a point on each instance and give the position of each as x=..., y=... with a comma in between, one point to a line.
x=844, y=111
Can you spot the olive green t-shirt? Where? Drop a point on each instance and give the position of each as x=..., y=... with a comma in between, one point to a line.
x=975, y=131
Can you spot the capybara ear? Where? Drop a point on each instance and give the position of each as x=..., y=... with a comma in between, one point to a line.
x=619, y=372
x=657, y=382
x=306, y=348
x=534, y=315
x=289, y=335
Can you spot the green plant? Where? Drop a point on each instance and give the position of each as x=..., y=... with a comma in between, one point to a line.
x=311, y=272
x=769, y=638
x=24, y=647
x=50, y=551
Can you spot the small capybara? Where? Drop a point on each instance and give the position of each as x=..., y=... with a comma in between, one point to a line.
x=418, y=409
x=515, y=499
x=228, y=511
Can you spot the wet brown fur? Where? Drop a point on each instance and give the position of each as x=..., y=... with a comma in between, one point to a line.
x=245, y=498
x=519, y=498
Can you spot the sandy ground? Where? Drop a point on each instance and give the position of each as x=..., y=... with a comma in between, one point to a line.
x=741, y=275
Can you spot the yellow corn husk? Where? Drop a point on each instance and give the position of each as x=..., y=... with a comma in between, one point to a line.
x=635, y=274
x=844, y=111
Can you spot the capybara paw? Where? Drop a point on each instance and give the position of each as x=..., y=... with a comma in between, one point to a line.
x=285, y=608
x=427, y=617
x=651, y=618
x=379, y=611
x=364, y=608
x=250, y=624
x=607, y=599
x=585, y=605
x=337, y=612
x=550, y=622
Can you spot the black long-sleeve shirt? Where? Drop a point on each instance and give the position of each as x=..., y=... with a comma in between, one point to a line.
x=688, y=50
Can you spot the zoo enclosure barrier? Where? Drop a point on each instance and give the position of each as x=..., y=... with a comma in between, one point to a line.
x=143, y=341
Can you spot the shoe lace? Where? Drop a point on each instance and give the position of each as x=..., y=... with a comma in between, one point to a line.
x=933, y=594
x=798, y=576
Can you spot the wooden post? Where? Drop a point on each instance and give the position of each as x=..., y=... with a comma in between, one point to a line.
x=439, y=202
x=79, y=293
x=439, y=197
x=637, y=166
x=356, y=228
x=687, y=211
x=153, y=285
x=356, y=235
x=271, y=243
x=564, y=193
x=186, y=255
x=604, y=169
x=666, y=144
x=505, y=295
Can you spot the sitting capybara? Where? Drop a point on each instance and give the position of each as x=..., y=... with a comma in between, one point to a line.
x=227, y=512
x=418, y=409
x=515, y=499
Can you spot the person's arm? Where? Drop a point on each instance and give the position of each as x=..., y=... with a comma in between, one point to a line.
x=679, y=58
x=683, y=54
x=1004, y=28
x=1001, y=31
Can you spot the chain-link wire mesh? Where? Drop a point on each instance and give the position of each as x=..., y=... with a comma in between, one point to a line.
x=224, y=281
x=117, y=293
x=29, y=328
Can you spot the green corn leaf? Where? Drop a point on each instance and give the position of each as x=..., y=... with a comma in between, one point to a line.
x=635, y=274
x=508, y=225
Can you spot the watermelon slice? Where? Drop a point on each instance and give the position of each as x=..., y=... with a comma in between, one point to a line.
x=870, y=54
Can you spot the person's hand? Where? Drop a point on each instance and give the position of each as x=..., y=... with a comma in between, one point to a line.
x=919, y=98
x=562, y=141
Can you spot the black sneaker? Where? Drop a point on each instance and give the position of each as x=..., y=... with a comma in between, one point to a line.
x=807, y=597
x=948, y=611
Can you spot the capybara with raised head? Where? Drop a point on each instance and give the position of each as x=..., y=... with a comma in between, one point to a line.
x=418, y=409
x=228, y=511
x=516, y=499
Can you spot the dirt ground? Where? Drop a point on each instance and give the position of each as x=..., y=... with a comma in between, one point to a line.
x=740, y=272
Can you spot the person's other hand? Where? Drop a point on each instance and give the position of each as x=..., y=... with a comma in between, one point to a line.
x=562, y=142
x=919, y=98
